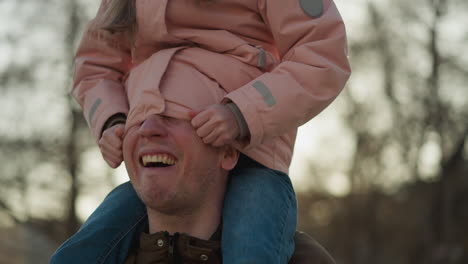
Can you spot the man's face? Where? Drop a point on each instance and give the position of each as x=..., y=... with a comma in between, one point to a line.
x=170, y=167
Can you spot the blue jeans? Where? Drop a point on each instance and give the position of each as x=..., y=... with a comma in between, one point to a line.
x=259, y=215
x=259, y=221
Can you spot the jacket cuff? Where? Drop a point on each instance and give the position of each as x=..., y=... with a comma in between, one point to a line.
x=246, y=104
x=101, y=102
x=243, y=127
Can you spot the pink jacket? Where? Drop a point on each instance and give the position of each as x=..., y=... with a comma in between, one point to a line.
x=280, y=62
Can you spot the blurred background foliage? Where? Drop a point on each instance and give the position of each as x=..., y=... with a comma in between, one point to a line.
x=381, y=175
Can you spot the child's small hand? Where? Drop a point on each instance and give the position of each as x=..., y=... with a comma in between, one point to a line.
x=216, y=125
x=111, y=145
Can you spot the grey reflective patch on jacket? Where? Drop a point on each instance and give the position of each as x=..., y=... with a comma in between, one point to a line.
x=261, y=58
x=265, y=92
x=93, y=109
x=313, y=8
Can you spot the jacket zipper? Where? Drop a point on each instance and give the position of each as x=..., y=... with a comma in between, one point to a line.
x=171, y=249
x=173, y=257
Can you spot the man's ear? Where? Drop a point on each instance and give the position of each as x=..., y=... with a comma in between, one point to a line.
x=230, y=157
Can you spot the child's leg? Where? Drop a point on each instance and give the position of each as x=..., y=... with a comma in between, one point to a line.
x=108, y=233
x=259, y=216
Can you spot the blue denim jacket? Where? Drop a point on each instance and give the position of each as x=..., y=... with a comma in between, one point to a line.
x=101, y=241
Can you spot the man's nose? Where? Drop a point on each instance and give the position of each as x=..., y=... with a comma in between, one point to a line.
x=153, y=126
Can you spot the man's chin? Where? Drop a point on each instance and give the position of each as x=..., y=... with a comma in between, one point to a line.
x=168, y=209
x=156, y=197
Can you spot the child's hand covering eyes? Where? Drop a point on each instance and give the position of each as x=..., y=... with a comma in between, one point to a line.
x=216, y=125
x=111, y=145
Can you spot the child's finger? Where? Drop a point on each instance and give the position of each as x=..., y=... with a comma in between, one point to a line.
x=111, y=138
x=109, y=150
x=115, y=141
x=200, y=119
x=116, y=160
x=222, y=139
x=206, y=129
x=218, y=142
x=209, y=139
x=113, y=160
x=113, y=163
x=119, y=130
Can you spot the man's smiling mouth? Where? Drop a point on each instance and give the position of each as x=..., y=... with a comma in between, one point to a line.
x=157, y=160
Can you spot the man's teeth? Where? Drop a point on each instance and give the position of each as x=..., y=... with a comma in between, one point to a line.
x=160, y=158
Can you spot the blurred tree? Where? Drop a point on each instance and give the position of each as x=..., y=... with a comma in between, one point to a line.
x=46, y=135
x=406, y=107
x=72, y=141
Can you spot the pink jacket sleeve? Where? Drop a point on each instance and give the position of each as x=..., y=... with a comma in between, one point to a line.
x=101, y=61
x=311, y=41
